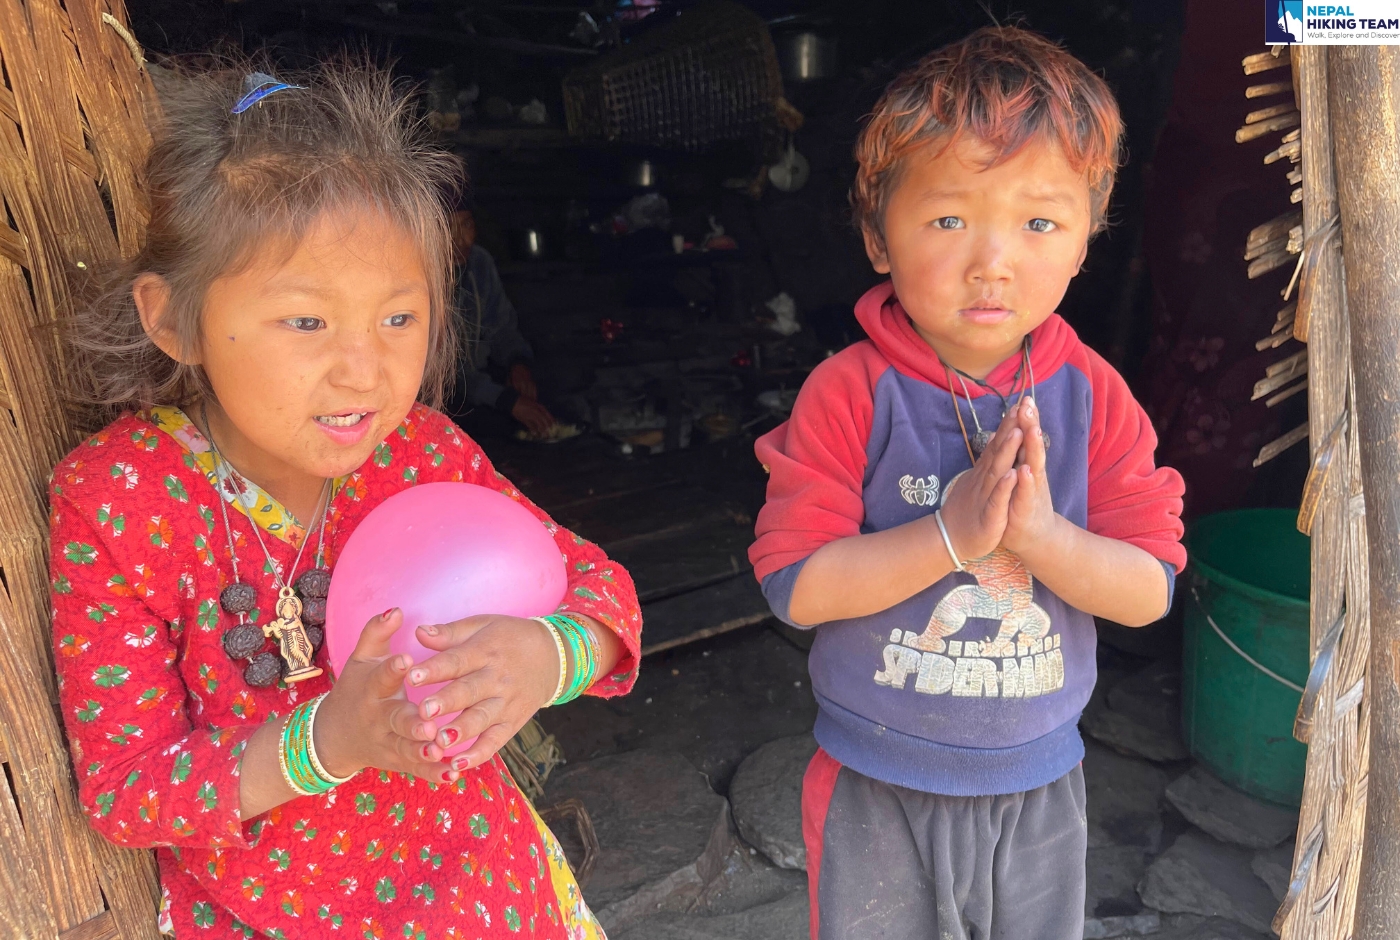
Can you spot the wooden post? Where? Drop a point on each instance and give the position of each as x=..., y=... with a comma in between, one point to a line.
x=1322, y=896
x=1364, y=90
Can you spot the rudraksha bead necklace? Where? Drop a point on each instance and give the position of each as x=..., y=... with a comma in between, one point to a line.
x=301, y=609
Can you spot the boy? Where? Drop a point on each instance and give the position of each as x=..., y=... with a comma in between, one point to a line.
x=954, y=500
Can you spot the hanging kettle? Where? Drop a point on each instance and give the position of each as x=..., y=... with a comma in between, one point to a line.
x=791, y=171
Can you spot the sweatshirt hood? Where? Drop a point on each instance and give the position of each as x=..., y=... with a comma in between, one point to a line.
x=892, y=333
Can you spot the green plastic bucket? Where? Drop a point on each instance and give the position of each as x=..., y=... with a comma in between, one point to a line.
x=1246, y=648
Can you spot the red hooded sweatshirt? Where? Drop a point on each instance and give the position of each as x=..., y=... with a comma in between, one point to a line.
x=974, y=686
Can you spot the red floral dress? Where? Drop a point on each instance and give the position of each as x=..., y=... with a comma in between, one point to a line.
x=158, y=715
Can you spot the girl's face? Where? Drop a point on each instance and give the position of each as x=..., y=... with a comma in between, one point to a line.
x=317, y=355
x=979, y=255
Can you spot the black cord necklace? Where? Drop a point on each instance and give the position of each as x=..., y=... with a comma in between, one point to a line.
x=1024, y=377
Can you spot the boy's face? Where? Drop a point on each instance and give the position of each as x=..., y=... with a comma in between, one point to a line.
x=980, y=257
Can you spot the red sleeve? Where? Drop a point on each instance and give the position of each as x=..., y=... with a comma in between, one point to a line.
x=146, y=775
x=598, y=586
x=1130, y=498
x=816, y=462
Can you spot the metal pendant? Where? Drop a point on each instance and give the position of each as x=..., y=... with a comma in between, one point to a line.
x=292, y=642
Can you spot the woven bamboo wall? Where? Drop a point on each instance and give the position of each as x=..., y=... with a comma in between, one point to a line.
x=72, y=139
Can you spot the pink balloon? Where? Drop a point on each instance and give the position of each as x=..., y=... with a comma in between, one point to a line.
x=441, y=552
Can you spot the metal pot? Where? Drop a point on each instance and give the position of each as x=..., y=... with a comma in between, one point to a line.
x=642, y=174
x=806, y=56
x=530, y=243
x=790, y=173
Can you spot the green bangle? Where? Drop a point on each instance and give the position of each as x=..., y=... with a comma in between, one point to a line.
x=288, y=756
x=590, y=646
x=563, y=660
x=590, y=649
x=297, y=756
x=569, y=680
x=576, y=679
x=300, y=768
x=302, y=763
x=585, y=661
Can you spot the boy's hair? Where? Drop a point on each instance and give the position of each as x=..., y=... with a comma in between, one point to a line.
x=222, y=184
x=1005, y=86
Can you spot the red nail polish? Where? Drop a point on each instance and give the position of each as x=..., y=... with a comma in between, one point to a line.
x=460, y=763
x=449, y=736
x=427, y=751
x=431, y=709
x=386, y=613
x=449, y=776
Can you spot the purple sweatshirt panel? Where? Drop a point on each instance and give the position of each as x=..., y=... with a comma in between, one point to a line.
x=975, y=685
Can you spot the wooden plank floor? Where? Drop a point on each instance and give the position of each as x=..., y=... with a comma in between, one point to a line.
x=680, y=523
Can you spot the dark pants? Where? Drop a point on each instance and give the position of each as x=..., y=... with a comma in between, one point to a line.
x=896, y=864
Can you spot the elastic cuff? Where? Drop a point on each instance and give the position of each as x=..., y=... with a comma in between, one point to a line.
x=1171, y=585
x=506, y=400
x=777, y=589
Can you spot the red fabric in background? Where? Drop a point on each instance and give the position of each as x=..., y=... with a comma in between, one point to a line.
x=1205, y=193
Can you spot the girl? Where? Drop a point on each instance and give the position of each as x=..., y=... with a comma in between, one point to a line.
x=264, y=353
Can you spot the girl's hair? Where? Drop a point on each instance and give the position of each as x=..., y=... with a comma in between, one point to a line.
x=222, y=184
x=1005, y=86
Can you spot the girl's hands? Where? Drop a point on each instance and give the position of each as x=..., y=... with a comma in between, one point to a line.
x=975, y=509
x=1031, y=520
x=500, y=671
x=366, y=720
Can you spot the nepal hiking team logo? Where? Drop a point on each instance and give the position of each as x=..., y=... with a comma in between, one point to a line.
x=1360, y=22
x=1283, y=21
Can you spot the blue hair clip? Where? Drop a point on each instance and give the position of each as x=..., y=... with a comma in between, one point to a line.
x=256, y=87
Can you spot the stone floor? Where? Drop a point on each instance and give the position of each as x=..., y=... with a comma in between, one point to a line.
x=693, y=784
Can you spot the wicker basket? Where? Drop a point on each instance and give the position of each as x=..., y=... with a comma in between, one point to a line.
x=72, y=140
x=531, y=757
x=710, y=76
